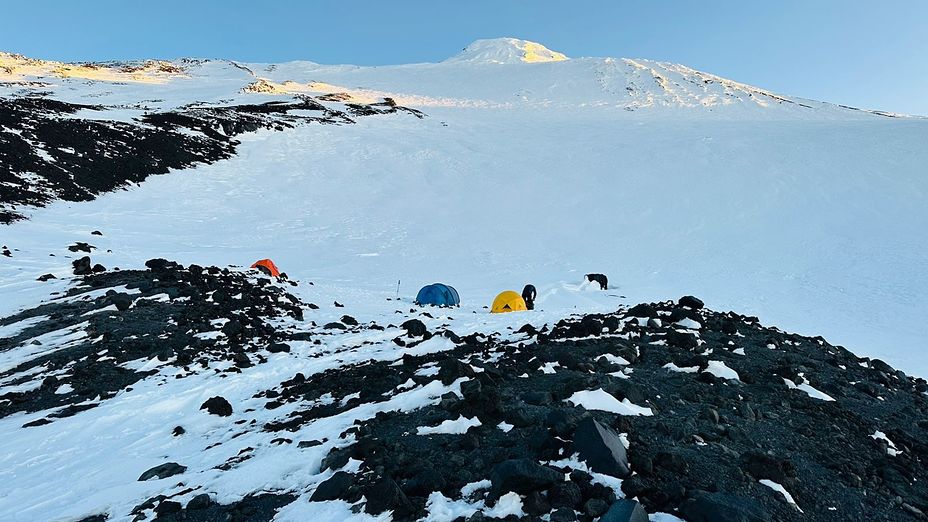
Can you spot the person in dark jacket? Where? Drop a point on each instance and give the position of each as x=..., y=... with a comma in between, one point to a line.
x=599, y=278
x=528, y=295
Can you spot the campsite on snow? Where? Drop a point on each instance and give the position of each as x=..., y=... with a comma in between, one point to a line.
x=511, y=285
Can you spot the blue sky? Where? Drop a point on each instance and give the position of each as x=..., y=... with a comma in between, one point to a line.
x=866, y=54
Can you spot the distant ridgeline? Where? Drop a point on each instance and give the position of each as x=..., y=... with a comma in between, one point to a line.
x=53, y=150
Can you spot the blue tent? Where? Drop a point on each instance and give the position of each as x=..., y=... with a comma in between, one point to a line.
x=438, y=295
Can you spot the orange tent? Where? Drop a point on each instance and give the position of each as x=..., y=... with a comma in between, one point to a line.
x=267, y=266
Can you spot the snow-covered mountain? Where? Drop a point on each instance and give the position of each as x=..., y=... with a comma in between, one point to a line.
x=504, y=165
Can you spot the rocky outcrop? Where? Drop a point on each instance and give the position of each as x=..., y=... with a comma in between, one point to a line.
x=49, y=153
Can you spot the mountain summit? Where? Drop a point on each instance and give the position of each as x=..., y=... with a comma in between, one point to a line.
x=507, y=50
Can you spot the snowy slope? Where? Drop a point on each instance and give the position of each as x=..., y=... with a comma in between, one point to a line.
x=669, y=180
x=529, y=167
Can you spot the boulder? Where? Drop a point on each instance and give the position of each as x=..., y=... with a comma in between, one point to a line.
x=167, y=507
x=625, y=510
x=563, y=514
x=538, y=398
x=424, y=483
x=535, y=504
x=201, y=501
x=386, y=495
x=333, y=488
x=414, y=328
x=565, y=494
x=682, y=339
x=82, y=266
x=80, y=246
x=642, y=310
x=601, y=448
x=217, y=406
x=121, y=300
x=691, y=302
x=451, y=369
x=761, y=466
x=233, y=328
x=159, y=264
x=279, y=348
x=350, y=321
x=703, y=506
x=163, y=471
x=595, y=507
x=522, y=476
x=335, y=326
x=241, y=360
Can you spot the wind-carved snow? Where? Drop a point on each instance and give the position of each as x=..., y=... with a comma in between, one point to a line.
x=600, y=399
x=450, y=427
x=804, y=386
x=722, y=371
x=779, y=488
x=684, y=369
x=891, y=447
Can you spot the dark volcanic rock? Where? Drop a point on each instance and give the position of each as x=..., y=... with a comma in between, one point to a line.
x=163, y=471
x=642, y=310
x=563, y=514
x=719, y=507
x=279, y=348
x=522, y=476
x=86, y=157
x=700, y=455
x=201, y=501
x=81, y=247
x=763, y=466
x=82, y=266
x=217, y=406
x=601, y=448
x=414, y=328
x=334, y=488
x=682, y=339
x=121, y=300
x=565, y=494
x=625, y=510
x=691, y=302
x=535, y=504
x=386, y=495
x=167, y=507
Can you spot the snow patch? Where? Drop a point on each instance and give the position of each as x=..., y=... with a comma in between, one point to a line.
x=451, y=427
x=602, y=400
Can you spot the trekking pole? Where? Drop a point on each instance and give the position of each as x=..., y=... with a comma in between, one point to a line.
x=397, y=288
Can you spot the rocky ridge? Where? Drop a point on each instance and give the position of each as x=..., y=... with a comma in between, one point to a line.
x=663, y=407
x=49, y=151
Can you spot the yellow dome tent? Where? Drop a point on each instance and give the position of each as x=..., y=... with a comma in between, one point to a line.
x=508, y=301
